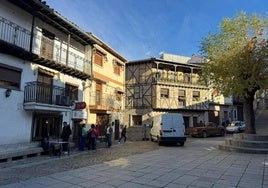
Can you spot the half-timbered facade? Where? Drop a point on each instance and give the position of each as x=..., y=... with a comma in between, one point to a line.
x=158, y=86
x=171, y=84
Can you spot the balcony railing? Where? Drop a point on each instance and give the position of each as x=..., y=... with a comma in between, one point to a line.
x=14, y=34
x=173, y=77
x=44, y=93
x=105, y=102
x=52, y=49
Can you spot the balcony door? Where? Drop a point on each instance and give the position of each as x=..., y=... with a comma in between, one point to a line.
x=98, y=94
x=47, y=44
x=44, y=88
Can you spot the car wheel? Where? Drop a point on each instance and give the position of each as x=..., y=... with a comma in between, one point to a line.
x=204, y=134
x=182, y=143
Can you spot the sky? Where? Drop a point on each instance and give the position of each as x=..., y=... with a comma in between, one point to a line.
x=141, y=29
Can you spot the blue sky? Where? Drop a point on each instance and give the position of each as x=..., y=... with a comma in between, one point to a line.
x=139, y=29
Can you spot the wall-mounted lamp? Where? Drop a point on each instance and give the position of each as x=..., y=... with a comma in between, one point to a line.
x=8, y=92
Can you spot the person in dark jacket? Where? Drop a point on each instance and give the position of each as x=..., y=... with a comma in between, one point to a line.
x=123, y=134
x=92, y=135
x=66, y=132
x=45, y=138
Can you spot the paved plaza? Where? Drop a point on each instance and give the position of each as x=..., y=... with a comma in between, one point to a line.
x=198, y=164
x=144, y=164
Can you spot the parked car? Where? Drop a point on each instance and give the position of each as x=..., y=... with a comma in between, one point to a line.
x=236, y=127
x=206, y=129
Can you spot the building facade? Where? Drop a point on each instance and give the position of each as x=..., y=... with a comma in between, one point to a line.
x=171, y=84
x=45, y=60
x=106, y=91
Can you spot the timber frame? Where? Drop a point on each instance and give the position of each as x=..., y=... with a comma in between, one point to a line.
x=145, y=78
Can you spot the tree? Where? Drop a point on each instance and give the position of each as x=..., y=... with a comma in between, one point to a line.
x=238, y=60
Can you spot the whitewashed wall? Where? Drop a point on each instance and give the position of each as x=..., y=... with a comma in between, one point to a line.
x=15, y=123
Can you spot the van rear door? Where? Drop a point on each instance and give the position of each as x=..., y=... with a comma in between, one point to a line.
x=167, y=126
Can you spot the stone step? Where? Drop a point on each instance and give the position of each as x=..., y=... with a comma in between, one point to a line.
x=17, y=152
x=252, y=137
x=243, y=149
x=246, y=143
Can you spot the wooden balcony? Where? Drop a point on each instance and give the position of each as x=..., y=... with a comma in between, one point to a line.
x=56, y=54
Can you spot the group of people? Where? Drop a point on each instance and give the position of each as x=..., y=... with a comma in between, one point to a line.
x=65, y=134
x=88, y=138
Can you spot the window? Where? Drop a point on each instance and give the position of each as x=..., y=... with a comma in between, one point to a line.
x=98, y=97
x=98, y=58
x=44, y=86
x=182, y=94
x=117, y=67
x=196, y=95
x=71, y=91
x=182, y=97
x=119, y=96
x=98, y=93
x=164, y=93
x=10, y=77
x=47, y=44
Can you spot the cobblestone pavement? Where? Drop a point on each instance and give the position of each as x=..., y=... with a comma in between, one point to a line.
x=144, y=165
x=24, y=169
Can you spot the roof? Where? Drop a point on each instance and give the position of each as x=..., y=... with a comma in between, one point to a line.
x=107, y=47
x=41, y=10
x=162, y=61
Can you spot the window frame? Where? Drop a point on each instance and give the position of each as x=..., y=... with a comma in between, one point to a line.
x=164, y=93
x=196, y=95
x=10, y=77
x=71, y=90
x=98, y=57
x=117, y=68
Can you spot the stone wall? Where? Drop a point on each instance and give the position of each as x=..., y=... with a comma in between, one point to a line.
x=138, y=133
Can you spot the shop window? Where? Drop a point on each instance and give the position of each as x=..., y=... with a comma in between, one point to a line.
x=164, y=93
x=10, y=77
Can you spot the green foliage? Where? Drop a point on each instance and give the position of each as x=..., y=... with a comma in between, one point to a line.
x=237, y=56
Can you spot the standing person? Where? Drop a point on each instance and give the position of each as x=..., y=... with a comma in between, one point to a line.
x=66, y=132
x=45, y=138
x=123, y=134
x=83, y=138
x=109, y=132
x=92, y=136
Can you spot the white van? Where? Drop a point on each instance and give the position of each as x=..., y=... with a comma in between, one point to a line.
x=168, y=128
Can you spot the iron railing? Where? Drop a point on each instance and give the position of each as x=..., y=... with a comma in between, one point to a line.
x=105, y=102
x=44, y=93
